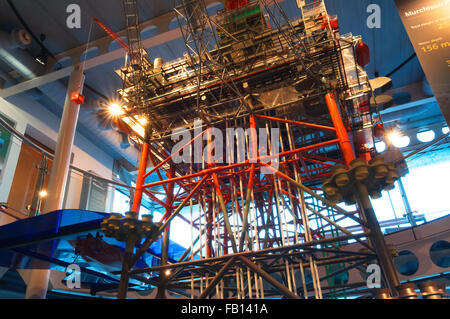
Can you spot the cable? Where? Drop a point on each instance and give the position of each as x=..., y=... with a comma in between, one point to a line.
x=402, y=65
x=96, y=92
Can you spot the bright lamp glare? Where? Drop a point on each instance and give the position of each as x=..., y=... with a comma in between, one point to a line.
x=143, y=121
x=380, y=147
x=399, y=140
x=445, y=130
x=115, y=109
x=43, y=193
x=138, y=129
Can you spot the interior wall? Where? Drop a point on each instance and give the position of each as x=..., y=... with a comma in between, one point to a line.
x=32, y=117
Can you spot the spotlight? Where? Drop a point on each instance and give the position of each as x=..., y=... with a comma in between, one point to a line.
x=42, y=59
x=143, y=121
x=115, y=109
x=138, y=129
x=398, y=140
x=43, y=193
x=167, y=272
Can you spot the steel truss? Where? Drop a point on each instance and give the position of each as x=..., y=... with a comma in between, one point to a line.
x=260, y=224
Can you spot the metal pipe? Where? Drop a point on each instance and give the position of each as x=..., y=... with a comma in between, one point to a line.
x=38, y=284
x=165, y=244
x=147, y=243
x=283, y=289
x=140, y=179
x=126, y=265
x=341, y=132
x=217, y=278
x=377, y=239
x=310, y=192
x=37, y=197
x=309, y=245
x=315, y=126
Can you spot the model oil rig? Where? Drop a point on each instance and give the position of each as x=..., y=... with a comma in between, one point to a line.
x=263, y=216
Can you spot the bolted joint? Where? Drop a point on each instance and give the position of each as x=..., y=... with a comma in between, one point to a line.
x=377, y=175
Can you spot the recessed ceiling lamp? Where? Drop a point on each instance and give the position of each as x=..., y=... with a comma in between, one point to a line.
x=426, y=136
x=445, y=129
x=398, y=140
x=115, y=109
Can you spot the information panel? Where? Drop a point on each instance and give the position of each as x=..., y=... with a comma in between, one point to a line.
x=428, y=25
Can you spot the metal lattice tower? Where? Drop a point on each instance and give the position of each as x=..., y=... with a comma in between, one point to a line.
x=262, y=214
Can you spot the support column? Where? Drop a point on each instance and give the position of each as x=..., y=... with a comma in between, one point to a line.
x=409, y=212
x=252, y=157
x=341, y=132
x=140, y=179
x=126, y=265
x=38, y=283
x=161, y=294
x=377, y=240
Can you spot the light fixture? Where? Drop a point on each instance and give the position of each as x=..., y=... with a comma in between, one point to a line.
x=426, y=136
x=138, y=129
x=167, y=272
x=398, y=140
x=445, y=129
x=115, y=109
x=43, y=193
x=41, y=59
x=143, y=121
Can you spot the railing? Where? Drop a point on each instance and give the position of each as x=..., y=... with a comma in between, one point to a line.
x=84, y=189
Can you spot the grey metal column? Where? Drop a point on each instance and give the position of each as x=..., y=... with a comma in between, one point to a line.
x=377, y=240
x=127, y=257
x=38, y=283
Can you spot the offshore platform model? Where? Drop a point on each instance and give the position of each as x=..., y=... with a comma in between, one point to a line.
x=262, y=213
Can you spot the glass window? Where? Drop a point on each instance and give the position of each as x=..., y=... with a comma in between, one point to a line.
x=427, y=189
x=121, y=202
x=380, y=147
x=389, y=206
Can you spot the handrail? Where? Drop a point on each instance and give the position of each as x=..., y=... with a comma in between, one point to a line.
x=25, y=139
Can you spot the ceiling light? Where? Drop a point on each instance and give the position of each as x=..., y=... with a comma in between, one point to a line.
x=138, y=129
x=398, y=140
x=43, y=193
x=445, y=130
x=143, y=121
x=115, y=109
x=426, y=136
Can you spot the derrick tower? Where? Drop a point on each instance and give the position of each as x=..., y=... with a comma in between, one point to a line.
x=255, y=135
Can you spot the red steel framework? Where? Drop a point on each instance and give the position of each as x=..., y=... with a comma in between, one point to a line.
x=211, y=179
x=256, y=216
